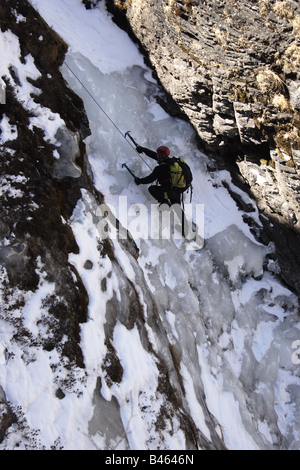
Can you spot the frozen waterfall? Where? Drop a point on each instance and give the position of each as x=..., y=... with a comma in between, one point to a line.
x=231, y=323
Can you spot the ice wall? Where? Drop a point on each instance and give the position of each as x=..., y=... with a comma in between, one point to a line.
x=229, y=321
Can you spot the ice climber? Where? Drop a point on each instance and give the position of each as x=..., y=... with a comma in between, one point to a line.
x=164, y=191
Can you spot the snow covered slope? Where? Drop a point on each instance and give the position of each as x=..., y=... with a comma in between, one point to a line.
x=184, y=346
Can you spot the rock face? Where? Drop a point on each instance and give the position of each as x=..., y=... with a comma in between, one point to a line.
x=232, y=69
x=32, y=224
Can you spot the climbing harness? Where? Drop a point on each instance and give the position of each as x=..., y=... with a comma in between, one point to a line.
x=105, y=113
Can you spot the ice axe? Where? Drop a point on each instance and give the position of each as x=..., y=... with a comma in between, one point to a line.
x=131, y=138
x=136, y=148
x=128, y=169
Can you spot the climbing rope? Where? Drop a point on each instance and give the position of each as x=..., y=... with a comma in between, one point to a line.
x=105, y=113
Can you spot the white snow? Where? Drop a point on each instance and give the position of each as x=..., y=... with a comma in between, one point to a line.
x=90, y=33
x=11, y=58
x=8, y=132
x=234, y=333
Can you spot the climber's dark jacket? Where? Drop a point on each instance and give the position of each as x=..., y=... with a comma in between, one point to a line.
x=161, y=173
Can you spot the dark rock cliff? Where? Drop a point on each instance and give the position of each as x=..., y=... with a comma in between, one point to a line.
x=232, y=69
x=32, y=224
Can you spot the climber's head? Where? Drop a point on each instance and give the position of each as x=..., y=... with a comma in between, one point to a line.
x=162, y=152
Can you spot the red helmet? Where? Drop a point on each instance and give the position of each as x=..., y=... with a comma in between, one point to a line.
x=163, y=152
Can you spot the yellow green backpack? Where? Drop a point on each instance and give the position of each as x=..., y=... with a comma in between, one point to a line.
x=181, y=175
